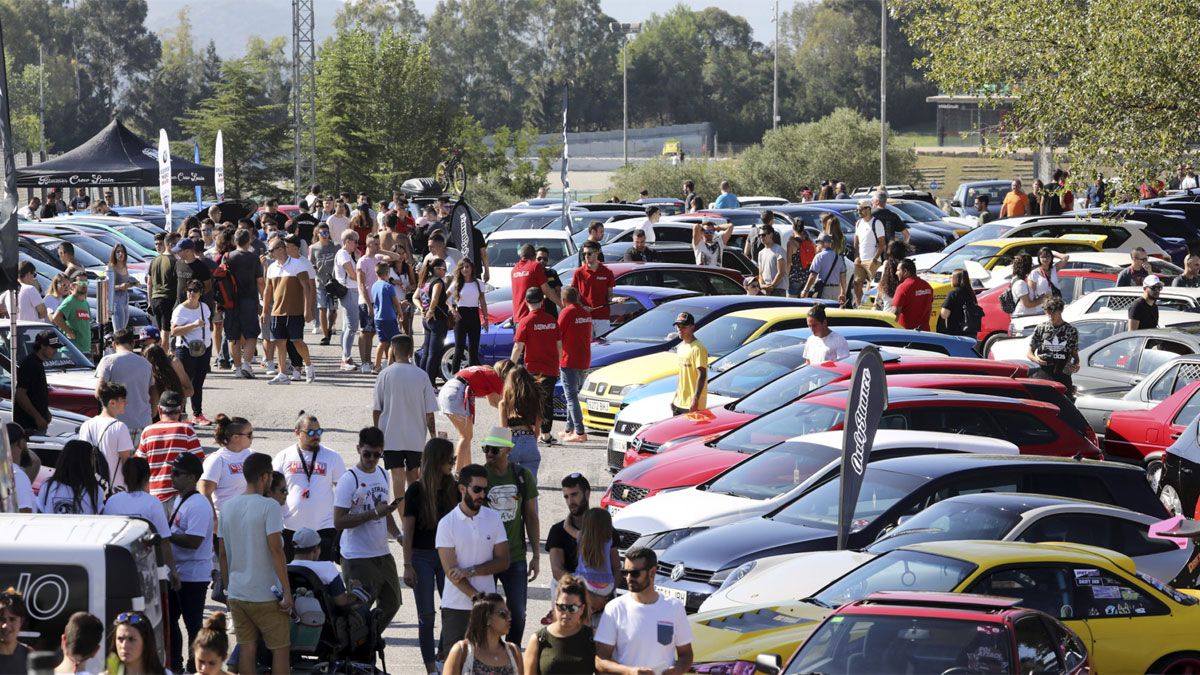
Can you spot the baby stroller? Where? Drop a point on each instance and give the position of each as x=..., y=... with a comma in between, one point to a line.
x=327, y=638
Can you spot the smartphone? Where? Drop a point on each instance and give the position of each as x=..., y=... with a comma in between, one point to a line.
x=397, y=502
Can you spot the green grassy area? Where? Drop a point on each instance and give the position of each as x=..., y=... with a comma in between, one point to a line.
x=949, y=171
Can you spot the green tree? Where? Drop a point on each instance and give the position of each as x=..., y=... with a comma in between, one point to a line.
x=579, y=51
x=175, y=85
x=844, y=145
x=346, y=148
x=1111, y=81
x=661, y=177
x=502, y=169
x=376, y=16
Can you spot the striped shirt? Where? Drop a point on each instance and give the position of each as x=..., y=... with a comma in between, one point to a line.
x=161, y=444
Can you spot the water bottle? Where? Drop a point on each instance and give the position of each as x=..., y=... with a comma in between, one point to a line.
x=277, y=593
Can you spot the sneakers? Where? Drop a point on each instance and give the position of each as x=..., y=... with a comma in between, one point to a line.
x=549, y=440
x=310, y=374
x=280, y=379
x=326, y=340
x=245, y=372
x=200, y=420
x=296, y=375
x=365, y=369
x=348, y=367
x=272, y=369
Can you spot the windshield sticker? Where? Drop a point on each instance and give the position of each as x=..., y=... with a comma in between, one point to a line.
x=1088, y=577
x=1106, y=592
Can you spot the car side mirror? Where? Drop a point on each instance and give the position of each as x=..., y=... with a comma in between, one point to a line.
x=770, y=664
x=956, y=204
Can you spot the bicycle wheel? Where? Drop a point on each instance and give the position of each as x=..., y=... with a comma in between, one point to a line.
x=440, y=175
x=458, y=179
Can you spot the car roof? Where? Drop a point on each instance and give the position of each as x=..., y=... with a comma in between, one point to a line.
x=886, y=439
x=721, y=301
x=932, y=466
x=865, y=333
x=953, y=606
x=546, y=233
x=1015, y=552
x=779, y=313
x=1025, y=502
x=900, y=394
x=951, y=379
x=1137, y=290
x=660, y=292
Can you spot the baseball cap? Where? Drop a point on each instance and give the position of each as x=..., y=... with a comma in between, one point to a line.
x=534, y=295
x=498, y=437
x=186, y=462
x=184, y=244
x=306, y=537
x=149, y=333
x=47, y=338
x=170, y=401
x=1151, y=281
x=685, y=319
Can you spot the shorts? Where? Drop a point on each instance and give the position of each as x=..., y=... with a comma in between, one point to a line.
x=386, y=329
x=252, y=620
x=287, y=328
x=865, y=271
x=242, y=321
x=454, y=398
x=161, y=310
x=408, y=459
x=323, y=299
x=366, y=319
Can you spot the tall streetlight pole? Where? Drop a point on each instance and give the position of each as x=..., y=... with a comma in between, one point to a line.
x=625, y=30
x=883, y=51
x=775, y=77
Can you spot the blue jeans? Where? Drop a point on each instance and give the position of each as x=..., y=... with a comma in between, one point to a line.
x=515, y=581
x=430, y=576
x=188, y=603
x=349, y=323
x=572, y=380
x=525, y=453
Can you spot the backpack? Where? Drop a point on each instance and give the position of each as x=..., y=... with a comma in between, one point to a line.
x=225, y=288
x=1008, y=301
x=972, y=319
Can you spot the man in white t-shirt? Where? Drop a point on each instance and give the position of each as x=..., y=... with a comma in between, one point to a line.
x=362, y=510
x=707, y=245
x=473, y=547
x=643, y=630
x=869, y=244
x=311, y=470
x=191, y=519
x=404, y=408
x=108, y=434
x=823, y=345
x=29, y=305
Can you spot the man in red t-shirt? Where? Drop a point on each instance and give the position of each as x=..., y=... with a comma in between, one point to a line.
x=526, y=274
x=595, y=283
x=913, y=301
x=539, y=340
x=165, y=440
x=575, y=326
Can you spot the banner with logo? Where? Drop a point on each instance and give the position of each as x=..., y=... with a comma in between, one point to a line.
x=219, y=167
x=464, y=229
x=164, y=174
x=8, y=190
x=199, y=194
x=566, y=182
x=868, y=400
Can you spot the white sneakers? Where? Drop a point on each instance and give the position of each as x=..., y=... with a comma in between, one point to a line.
x=310, y=374
x=281, y=378
x=365, y=368
x=348, y=367
x=272, y=369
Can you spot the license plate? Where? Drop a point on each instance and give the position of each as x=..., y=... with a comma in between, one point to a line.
x=595, y=405
x=672, y=593
x=612, y=510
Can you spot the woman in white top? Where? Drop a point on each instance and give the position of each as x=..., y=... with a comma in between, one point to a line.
x=60, y=288
x=1044, y=278
x=222, y=479
x=469, y=308
x=339, y=221
x=485, y=651
x=73, y=488
x=344, y=271
x=191, y=336
x=1029, y=299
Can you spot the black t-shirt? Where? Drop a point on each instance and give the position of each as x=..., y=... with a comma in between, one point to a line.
x=81, y=203
x=1132, y=277
x=645, y=255
x=199, y=269
x=1184, y=282
x=957, y=302
x=247, y=270
x=15, y=662
x=893, y=227
x=552, y=281
x=1145, y=313
x=558, y=538
x=31, y=376
x=305, y=224
x=424, y=534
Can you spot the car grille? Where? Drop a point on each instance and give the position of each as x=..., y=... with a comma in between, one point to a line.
x=625, y=538
x=648, y=448
x=626, y=428
x=616, y=458
x=689, y=573
x=628, y=494
x=597, y=420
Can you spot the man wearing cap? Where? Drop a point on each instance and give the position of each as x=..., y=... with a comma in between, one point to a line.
x=707, y=245
x=595, y=283
x=404, y=407
x=538, y=339
x=188, y=266
x=32, y=395
x=691, y=392
x=128, y=367
x=870, y=245
x=512, y=492
x=1143, y=313
x=827, y=274
x=191, y=519
x=165, y=441
x=74, y=315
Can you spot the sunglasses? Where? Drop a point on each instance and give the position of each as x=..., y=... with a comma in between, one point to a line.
x=632, y=573
x=491, y=450
x=314, y=433
x=568, y=607
x=476, y=490
x=542, y=259
x=131, y=618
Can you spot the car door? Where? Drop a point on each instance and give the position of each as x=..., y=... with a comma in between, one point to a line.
x=1119, y=614
x=1157, y=557
x=722, y=285
x=1182, y=419
x=1037, y=650
x=1112, y=365
x=651, y=277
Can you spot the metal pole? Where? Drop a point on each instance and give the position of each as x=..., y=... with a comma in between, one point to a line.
x=775, y=78
x=41, y=105
x=883, y=50
x=625, y=99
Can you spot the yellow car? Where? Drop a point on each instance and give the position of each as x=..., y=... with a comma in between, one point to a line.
x=1131, y=623
x=604, y=389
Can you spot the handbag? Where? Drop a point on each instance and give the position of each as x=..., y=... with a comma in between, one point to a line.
x=1008, y=301
x=819, y=286
x=198, y=348
x=336, y=289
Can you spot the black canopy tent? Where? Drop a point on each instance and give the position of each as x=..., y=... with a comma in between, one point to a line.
x=115, y=157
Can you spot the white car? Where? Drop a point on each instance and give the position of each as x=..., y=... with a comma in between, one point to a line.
x=986, y=516
x=1118, y=298
x=1113, y=263
x=504, y=250
x=770, y=478
x=1092, y=328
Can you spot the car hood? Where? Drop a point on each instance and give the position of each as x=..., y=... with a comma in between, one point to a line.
x=691, y=464
x=702, y=423
x=658, y=408
x=605, y=353
x=788, y=577
x=637, y=370
x=663, y=385
x=733, y=544
x=78, y=379
x=682, y=509
x=745, y=632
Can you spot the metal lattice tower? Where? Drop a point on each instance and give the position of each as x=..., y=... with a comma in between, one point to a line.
x=304, y=95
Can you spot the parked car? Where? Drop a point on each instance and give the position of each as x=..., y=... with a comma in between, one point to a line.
x=1092, y=329
x=1135, y=624
x=993, y=516
x=1153, y=388
x=503, y=250
x=1117, y=298
x=68, y=368
x=964, y=196
x=1144, y=435
x=679, y=253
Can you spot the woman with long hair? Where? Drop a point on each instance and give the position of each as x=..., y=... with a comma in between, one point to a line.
x=469, y=308
x=192, y=337
x=826, y=192
x=889, y=277
x=456, y=400
x=800, y=253
x=437, y=319
x=190, y=223
x=521, y=412
x=404, y=275
x=956, y=309
x=166, y=374
x=1029, y=298
x=1044, y=278
x=210, y=649
x=60, y=289
x=363, y=226
x=833, y=228
x=119, y=283
x=426, y=501
x=599, y=562
x=222, y=479
x=131, y=647
x=485, y=651
x=74, y=487
x=567, y=646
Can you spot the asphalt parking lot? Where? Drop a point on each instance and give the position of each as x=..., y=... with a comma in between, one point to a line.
x=342, y=402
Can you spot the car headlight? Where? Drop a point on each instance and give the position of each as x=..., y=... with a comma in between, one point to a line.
x=675, y=442
x=728, y=577
x=661, y=541
x=624, y=391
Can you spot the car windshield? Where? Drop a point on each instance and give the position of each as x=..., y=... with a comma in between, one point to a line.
x=506, y=252
x=82, y=256
x=754, y=348
x=142, y=237
x=98, y=249
x=922, y=644
x=68, y=356
x=727, y=333
x=819, y=507
x=111, y=240
x=756, y=372
x=900, y=570
x=994, y=230
x=785, y=390
x=655, y=325
x=780, y=425
x=494, y=220
x=534, y=220
x=950, y=520
x=979, y=253
x=774, y=471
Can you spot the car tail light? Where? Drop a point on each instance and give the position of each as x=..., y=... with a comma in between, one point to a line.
x=1090, y=433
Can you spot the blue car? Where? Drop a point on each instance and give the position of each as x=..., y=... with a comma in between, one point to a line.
x=949, y=345
x=964, y=196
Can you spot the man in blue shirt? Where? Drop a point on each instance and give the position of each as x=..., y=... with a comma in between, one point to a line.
x=727, y=200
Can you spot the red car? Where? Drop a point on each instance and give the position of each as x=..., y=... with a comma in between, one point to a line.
x=660, y=275
x=711, y=423
x=1074, y=284
x=1035, y=427
x=1143, y=435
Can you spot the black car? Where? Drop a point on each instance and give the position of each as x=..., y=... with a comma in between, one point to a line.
x=892, y=490
x=682, y=254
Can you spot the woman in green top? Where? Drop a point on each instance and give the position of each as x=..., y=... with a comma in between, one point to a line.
x=567, y=646
x=74, y=316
